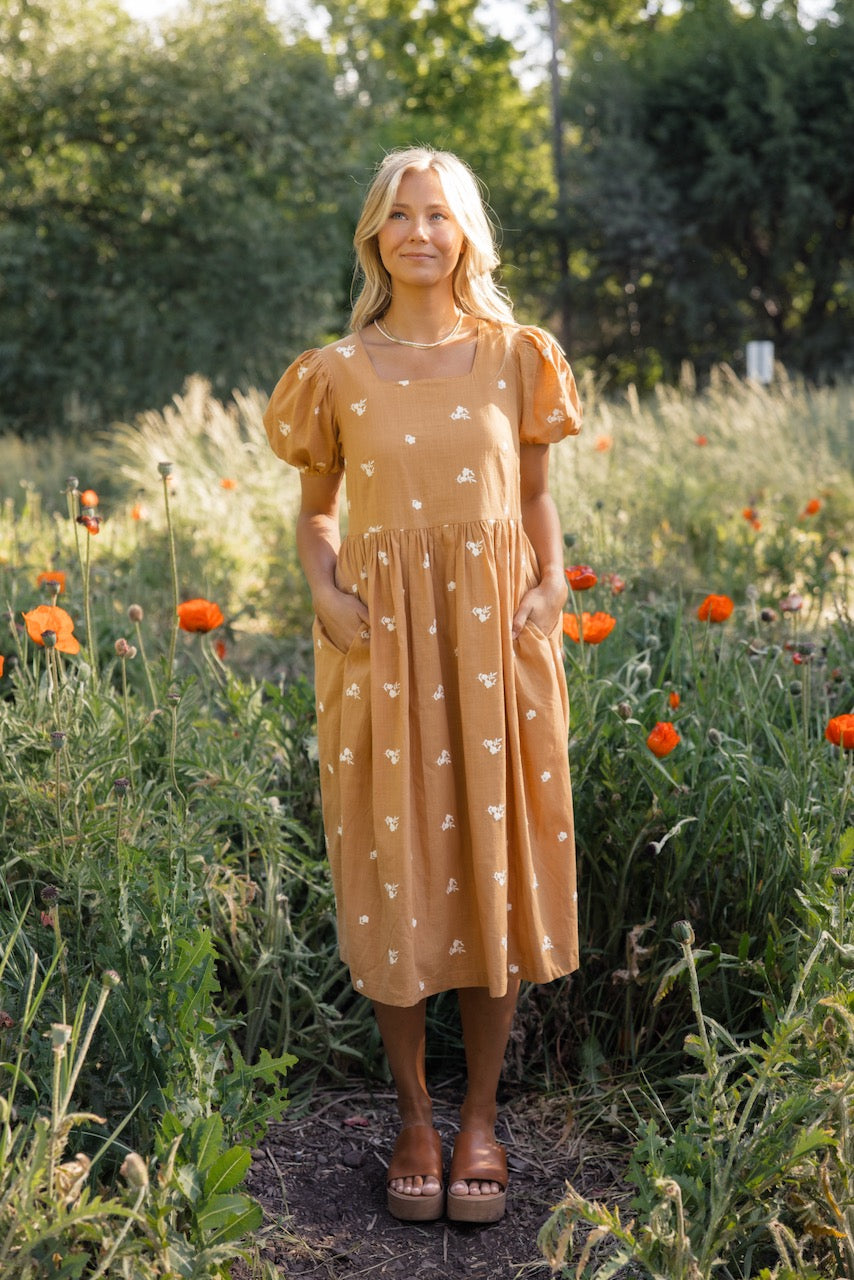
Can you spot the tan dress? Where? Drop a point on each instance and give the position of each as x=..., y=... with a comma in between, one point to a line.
x=443, y=742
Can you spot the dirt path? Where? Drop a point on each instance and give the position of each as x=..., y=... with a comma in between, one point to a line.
x=320, y=1176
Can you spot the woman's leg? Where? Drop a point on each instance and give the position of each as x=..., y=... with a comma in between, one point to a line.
x=404, y=1035
x=486, y=1022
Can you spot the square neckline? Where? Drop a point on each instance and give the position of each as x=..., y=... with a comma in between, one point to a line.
x=409, y=382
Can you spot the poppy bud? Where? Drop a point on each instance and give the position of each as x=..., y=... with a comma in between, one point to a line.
x=768, y=615
x=135, y=613
x=624, y=710
x=839, y=875
x=715, y=736
x=49, y=639
x=71, y=484
x=110, y=979
x=796, y=688
x=50, y=893
x=122, y=648
x=134, y=1171
x=57, y=739
x=121, y=786
x=683, y=933
x=60, y=1034
x=165, y=469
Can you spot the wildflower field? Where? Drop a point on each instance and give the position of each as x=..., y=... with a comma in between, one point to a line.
x=168, y=969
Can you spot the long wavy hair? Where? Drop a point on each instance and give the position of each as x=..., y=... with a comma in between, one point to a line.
x=475, y=290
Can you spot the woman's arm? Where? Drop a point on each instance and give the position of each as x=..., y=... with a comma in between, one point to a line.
x=318, y=541
x=544, y=602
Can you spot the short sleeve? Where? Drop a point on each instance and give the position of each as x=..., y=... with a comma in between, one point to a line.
x=300, y=419
x=551, y=408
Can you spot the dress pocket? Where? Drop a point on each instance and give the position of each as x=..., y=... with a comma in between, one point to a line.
x=322, y=639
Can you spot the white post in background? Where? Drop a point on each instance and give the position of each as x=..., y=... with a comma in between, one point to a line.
x=760, y=361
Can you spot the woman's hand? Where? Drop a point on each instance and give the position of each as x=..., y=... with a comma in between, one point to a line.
x=342, y=615
x=542, y=605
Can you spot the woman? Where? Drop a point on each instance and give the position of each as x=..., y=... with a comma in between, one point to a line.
x=441, y=698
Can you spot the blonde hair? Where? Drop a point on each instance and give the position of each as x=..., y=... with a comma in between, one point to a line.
x=475, y=290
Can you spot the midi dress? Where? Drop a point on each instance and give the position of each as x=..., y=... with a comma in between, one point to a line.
x=443, y=741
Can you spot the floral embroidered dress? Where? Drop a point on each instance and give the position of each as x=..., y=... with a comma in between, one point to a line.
x=443, y=742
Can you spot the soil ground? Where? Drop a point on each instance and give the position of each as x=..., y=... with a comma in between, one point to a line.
x=320, y=1177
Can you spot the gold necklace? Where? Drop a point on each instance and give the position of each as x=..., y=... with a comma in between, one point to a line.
x=422, y=346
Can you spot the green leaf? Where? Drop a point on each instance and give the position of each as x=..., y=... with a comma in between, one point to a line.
x=204, y=1141
x=229, y=1217
x=227, y=1171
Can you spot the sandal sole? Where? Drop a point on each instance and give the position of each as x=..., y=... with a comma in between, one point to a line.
x=415, y=1208
x=476, y=1208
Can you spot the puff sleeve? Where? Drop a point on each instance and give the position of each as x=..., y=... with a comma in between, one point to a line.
x=300, y=419
x=550, y=407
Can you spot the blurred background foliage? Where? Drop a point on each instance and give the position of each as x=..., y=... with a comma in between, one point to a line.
x=180, y=198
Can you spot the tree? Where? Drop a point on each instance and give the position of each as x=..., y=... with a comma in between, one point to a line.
x=172, y=205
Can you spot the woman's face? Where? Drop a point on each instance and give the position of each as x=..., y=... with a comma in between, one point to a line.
x=421, y=241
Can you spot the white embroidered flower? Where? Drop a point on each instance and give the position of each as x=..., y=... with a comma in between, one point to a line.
x=482, y=612
x=373, y=855
x=321, y=707
x=488, y=678
x=365, y=633
x=425, y=563
x=284, y=428
x=373, y=528
x=392, y=823
x=493, y=745
x=509, y=906
x=495, y=811
x=535, y=884
x=562, y=835
x=575, y=897
x=340, y=829
x=393, y=690
x=531, y=715
x=393, y=754
x=359, y=407
x=346, y=756
x=359, y=983
x=346, y=351
x=444, y=758
x=466, y=476
x=475, y=547
x=556, y=415
x=389, y=623
x=439, y=694
x=382, y=556
x=504, y=942
x=545, y=775
x=409, y=439
x=364, y=919
x=500, y=877
x=416, y=504
x=513, y=968
x=548, y=945
x=363, y=573
x=501, y=384
x=453, y=887
x=460, y=414
x=414, y=923
x=392, y=956
x=448, y=823
x=420, y=985
x=433, y=627
x=403, y=382
x=452, y=586
x=353, y=691
x=329, y=767
x=391, y=889
x=302, y=371
x=369, y=466
x=456, y=948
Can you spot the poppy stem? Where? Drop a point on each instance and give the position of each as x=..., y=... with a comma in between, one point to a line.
x=152, y=691
x=87, y=607
x=173, y=564
x=57, y=795
x=126, y=708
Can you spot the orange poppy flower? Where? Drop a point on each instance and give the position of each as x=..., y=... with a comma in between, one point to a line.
x=199, y=615
x=227, y=483
x=750, y=513
x=138, y=512
x=2, y=663
x=615, y=582
x=92, y=523
x=48, y=617
x=674, y=699
x=715, y=609
x=592, y=628
x=840, y=731
x=88, y=498
x=662, y=739
x=220, y=650
x=813, y=507
x=603, y=443
x=53, y=576
x=701, y=441
x=581, y=576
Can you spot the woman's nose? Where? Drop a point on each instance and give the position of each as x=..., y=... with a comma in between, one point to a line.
x=419, y=231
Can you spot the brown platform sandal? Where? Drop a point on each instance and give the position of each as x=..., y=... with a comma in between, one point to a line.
x=417, y=1153
x=477, y=1161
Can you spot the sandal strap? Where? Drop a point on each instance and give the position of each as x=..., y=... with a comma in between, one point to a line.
x=477, y=1159
x=417, y=1153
